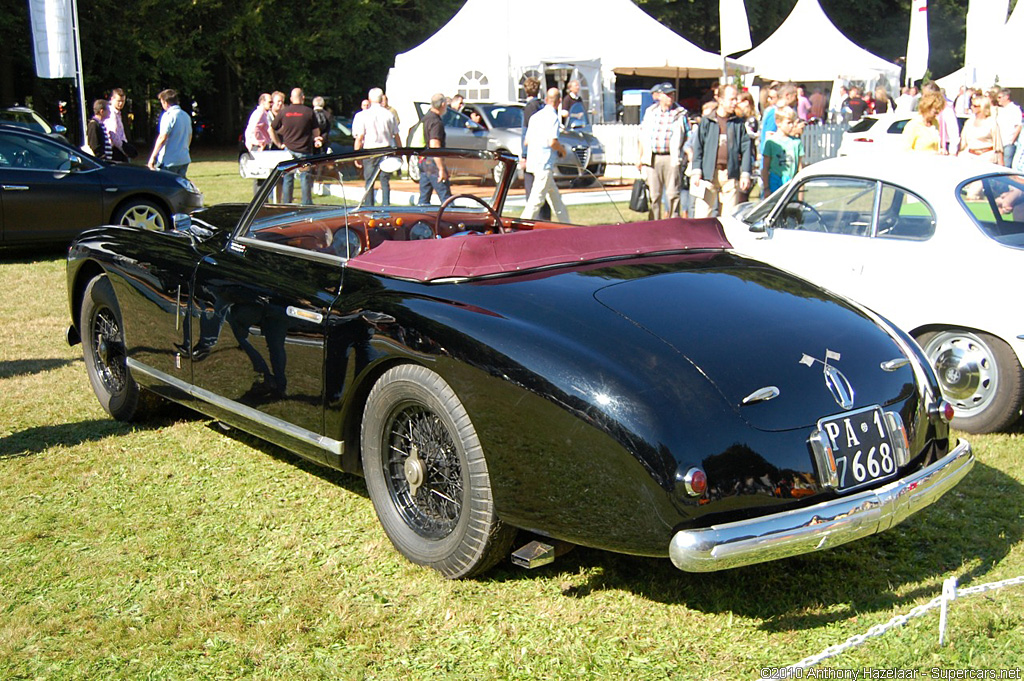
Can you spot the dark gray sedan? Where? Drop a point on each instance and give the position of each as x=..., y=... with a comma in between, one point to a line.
x=51, y=191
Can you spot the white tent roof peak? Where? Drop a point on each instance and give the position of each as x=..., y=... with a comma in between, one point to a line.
x=617, y=32
x=808, y=31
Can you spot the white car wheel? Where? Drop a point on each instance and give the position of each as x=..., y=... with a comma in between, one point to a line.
x=979, y=374
x=142, y=214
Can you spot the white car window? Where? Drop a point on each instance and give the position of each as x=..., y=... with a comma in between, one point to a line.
x=996, y=203
x=835, y=205
x=904, y=215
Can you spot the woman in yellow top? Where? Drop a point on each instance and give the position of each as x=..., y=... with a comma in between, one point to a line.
x=980, y=134
x=921, y=132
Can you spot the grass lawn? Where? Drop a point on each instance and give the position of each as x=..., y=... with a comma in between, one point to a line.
x=176, y=550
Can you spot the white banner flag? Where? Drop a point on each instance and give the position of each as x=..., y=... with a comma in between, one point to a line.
x=735, y=29
x=53, y=38
x=917, y=44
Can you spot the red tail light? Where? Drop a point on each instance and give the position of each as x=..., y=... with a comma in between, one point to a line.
x=696, y=482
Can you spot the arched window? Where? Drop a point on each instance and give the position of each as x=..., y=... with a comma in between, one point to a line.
x=473, y=85
x=530, y=73
x=584, y=87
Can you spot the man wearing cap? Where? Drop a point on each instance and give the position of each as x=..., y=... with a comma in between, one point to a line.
x=662, y=133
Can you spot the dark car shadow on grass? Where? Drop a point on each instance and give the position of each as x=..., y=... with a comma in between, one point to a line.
x=29, y=367
x=966, y=533
x=40, y=438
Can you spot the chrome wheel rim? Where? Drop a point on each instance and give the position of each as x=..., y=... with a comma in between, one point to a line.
x=144, y=217
x=108, y=351
x=966, y=369
x=423, y=471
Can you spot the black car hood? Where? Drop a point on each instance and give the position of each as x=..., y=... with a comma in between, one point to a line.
x=750, y=327
x=222, y=217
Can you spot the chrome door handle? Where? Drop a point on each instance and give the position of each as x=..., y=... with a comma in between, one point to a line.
x=14, y=187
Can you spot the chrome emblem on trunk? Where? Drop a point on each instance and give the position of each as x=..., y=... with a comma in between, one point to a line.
x=837, y=384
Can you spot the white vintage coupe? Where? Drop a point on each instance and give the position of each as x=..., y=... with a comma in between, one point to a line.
x=933, y=243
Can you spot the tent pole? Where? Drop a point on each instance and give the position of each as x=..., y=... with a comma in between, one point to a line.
x=79, y=67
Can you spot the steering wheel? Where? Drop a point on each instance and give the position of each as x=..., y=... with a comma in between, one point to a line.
x=808, y=208
x=447, y=202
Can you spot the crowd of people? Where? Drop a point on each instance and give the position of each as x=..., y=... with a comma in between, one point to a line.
x=734, y=144
x=105, y=133
x=694, y=166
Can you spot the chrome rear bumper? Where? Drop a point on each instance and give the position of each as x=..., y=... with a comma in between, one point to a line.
x=823, y=526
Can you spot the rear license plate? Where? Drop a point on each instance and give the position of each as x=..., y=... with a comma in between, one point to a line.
x=862, y=446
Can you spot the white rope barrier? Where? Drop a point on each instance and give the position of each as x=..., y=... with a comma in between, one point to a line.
x=949, y=594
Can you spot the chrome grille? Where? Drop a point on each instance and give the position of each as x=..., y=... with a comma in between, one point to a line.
x=583, y=154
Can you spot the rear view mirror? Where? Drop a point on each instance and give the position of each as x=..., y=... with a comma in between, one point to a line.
x=390, y=164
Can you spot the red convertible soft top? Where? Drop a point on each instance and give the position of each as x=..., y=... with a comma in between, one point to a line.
x=487, y=254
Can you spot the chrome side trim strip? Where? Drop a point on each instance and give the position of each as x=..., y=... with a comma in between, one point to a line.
x=243, y=241
x=823, y=526
x=322, y=441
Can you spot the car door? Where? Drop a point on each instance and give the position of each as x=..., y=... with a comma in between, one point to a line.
x=50, y=193
x=821, y=231
x=462, y=133
x=258, y=323
x=901, y=255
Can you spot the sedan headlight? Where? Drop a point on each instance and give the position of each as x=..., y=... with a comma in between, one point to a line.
x=186, y=184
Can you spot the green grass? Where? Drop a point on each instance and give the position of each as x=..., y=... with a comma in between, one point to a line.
x=174, y=550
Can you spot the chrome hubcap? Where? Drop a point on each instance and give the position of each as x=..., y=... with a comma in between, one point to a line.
x=966, y=370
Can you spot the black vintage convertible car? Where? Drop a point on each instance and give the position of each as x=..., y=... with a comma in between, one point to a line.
x=638, y=388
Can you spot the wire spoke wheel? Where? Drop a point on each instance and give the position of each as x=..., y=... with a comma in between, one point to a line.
x=106, y=355
x=108, y=352
x=427, y=475
x=424, y=472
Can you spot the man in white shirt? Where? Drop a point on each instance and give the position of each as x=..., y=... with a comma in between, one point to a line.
x=115, y=126
x=543, y=152
x=1009, y=121
x=375, y=128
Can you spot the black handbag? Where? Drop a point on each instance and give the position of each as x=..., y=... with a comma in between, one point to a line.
x=638, y=200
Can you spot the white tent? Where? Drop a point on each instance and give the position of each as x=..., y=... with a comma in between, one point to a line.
x=985, y=59
x=490, y=46
x=808, y=47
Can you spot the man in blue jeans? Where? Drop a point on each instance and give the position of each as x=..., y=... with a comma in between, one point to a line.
x=295, y=128
x=433, y=174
